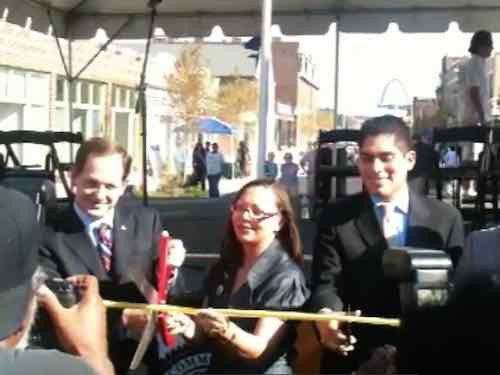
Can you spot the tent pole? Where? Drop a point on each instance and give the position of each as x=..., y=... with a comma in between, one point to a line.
x=103, y=47
x=71, y=83
x=336, y=87
x=58, y=43
x=266, y=92
x=141, y=108
x=68, y=69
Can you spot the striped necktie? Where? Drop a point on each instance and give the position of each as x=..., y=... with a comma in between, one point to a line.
x=103, y=235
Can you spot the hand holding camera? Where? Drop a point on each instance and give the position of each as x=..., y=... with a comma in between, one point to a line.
x=75, y=308
x=80, y=328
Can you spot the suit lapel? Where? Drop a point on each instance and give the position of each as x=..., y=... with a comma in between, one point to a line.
x=367, y=223
x=78, y=242
x=123, y=241
x=418, y=218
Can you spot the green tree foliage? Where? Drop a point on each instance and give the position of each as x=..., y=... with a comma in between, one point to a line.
x=236, y=98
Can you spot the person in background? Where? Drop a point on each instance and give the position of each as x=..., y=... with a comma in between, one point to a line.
x=270, y=167
x=289, y=177
x=481, y=256
x=259, y=268
x=81, y=330
x=243, y=159
x=179, y=160
x=451, y=159
x=308, y=164
x=215, y=168
x=426, y=165
x=199, y=166
x=477, y=87
x=476, y=94
x=353, y=234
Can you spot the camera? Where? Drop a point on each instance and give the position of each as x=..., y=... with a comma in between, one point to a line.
x=423, y=276
x=42, y=333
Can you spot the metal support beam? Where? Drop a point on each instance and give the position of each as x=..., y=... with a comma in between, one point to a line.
x=141, y=104
x=71, y=85
x=337, y=59
x=103, y=47
x=266, y=86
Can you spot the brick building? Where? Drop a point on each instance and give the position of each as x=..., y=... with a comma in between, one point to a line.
x=34, y=91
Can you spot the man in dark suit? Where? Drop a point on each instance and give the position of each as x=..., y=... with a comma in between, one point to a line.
x=103, y=233
x=354, y=233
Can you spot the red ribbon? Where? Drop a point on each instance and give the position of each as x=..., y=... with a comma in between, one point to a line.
x=163, y=274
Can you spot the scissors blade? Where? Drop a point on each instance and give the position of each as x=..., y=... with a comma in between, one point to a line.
x=147, y=336
x=139, y=279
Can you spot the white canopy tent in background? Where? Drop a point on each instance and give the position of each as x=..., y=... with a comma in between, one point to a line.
x=80, y=19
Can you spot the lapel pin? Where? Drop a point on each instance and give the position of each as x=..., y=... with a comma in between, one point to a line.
x=123, y=227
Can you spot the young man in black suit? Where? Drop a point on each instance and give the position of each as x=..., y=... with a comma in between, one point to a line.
x=354, y=233
x=102, y=233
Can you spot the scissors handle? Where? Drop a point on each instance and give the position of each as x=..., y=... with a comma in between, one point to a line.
x=163, y=274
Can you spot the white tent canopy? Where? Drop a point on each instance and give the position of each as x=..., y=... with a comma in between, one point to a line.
x=81, y=18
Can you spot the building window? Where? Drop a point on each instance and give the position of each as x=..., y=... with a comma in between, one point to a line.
x=114, y=94
x=74, y=91
x=286, y=134
x=123, y=97
x=60, y=89
x=16, y=86
x=133, y=99
x=88, y=108
x=38, y=84
x=84, y=92
x=3, y=81
x=97, y=93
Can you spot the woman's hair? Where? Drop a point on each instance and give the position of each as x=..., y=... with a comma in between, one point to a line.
x=481, y=38
x=288, y=235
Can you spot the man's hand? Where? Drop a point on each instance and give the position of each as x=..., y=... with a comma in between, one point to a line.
x=81, y=329
x=332, y=337
x=135, y=321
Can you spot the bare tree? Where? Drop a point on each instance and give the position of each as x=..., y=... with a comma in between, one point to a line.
x=188, y=87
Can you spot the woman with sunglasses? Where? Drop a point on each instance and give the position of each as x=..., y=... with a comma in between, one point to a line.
x=259, y=268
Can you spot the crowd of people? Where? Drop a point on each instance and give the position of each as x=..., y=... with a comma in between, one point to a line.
x=102, y=235
x=209, y=164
